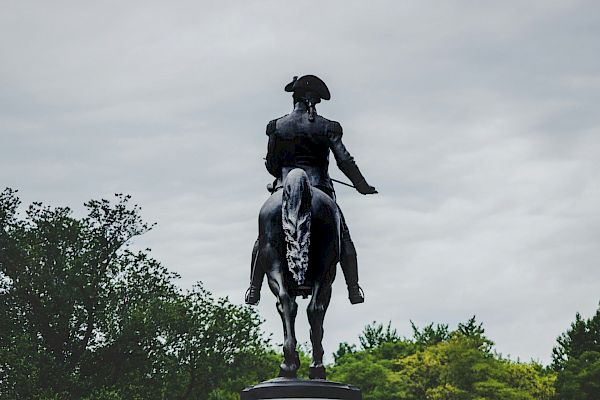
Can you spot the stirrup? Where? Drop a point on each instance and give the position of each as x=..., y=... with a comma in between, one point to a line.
x=356, y=294
x=252, y=296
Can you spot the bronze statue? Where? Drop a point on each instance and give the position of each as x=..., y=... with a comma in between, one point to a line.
x=302, y=231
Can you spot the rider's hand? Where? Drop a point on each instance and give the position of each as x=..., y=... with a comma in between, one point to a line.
x=366, y=189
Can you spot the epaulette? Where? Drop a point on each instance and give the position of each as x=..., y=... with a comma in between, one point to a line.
x=334, y=127
x=271, y=126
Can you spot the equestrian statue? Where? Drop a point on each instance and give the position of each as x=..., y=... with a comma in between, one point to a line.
x=302, y=231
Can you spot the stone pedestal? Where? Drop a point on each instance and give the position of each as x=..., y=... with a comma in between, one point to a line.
x=289, y=388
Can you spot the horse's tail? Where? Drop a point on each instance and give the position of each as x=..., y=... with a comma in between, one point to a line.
x=295, y=216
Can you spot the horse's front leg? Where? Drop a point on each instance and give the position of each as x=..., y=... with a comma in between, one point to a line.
x=316, y=315
x=287, y=308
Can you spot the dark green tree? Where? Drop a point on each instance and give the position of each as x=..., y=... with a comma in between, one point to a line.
x=430, y=334
x=375, y=334
x=84, y=316
x=57, y=273
x=576, y=358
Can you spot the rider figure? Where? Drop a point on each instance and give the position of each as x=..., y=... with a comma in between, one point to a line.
x=303, y=139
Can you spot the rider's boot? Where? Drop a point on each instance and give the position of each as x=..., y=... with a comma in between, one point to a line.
x=349, y=265
x=256, y=279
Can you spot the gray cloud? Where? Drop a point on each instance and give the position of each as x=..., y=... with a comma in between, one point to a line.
x=475, y=120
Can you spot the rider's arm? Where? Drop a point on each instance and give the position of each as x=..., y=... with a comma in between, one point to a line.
x=345, y=161
x=272, y=160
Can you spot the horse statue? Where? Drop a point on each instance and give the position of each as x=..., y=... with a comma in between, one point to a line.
x=302, y=231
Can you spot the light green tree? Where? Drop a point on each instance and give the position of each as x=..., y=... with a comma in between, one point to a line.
x=436, y=364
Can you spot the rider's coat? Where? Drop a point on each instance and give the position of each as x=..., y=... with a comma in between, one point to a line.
x=294, y=141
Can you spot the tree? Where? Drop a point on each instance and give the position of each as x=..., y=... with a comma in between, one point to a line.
x=375, y=334
x=57, y=272
x=84, y=316
x=430, y=334
x=576, y=358
x=438, y=364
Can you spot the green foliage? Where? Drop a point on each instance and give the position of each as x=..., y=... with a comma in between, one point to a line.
x=576, y=358
x=343, y=349
x=438, y=364
x=430, y=335
x=375, y=334
x=83, y=316
x=364, y=370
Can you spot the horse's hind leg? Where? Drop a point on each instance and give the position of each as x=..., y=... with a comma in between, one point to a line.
x=316, y=315
x=287, y=308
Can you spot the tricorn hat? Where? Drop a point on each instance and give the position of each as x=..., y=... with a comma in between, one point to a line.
x=308, y=83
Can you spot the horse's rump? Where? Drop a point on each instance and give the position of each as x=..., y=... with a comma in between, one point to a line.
x=302, y=224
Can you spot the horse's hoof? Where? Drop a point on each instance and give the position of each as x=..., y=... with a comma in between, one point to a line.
x=316, y=372
x=288, y=371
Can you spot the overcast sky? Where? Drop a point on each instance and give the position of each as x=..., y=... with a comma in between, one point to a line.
x=477, y=121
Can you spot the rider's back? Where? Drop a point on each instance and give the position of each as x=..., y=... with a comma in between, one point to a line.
x=303, y=142
x=297, y=142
